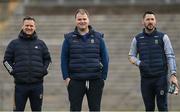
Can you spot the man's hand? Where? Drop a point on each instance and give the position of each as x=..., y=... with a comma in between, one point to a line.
x=67, y=81
x=174, y=80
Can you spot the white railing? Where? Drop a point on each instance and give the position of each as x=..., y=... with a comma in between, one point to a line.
x=97, y=2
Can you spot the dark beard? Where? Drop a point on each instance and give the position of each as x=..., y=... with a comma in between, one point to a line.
x=149, y=29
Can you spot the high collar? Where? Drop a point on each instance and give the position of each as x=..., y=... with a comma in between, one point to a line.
x=24, y=36
x=91, y=30
x=150, y=34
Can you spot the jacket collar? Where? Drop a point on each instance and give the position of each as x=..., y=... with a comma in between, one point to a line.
x=91, y=31
x=150, y=34
x=24, y=36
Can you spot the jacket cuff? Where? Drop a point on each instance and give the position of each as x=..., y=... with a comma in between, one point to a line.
x=138, y=62
x=173, y=73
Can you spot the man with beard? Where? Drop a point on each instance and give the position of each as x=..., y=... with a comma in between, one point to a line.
x=155, y=57
x=84, y=63
x=27, y=59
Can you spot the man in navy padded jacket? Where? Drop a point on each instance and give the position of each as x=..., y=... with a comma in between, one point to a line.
x=27, y=59
x=84, y=63
x=152, y=52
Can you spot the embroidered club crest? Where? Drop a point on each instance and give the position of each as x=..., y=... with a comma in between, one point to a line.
x=92, y=41
x=162, y=92
x=156, y=42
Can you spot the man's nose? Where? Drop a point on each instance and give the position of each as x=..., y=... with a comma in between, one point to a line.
x=151, y=21
x=28, y=27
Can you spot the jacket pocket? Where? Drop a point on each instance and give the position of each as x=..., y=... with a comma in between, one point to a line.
x=144, y=68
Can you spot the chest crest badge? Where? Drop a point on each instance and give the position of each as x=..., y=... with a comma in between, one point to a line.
x=92, y=41
x=156, y=41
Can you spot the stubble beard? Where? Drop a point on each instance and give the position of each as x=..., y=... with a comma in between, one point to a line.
x=150, y=28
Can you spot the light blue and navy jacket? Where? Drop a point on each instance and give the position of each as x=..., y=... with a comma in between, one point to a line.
x=84, y=57
x=155, y=53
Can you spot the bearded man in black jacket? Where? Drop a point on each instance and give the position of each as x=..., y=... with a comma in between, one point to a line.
x=27, y=59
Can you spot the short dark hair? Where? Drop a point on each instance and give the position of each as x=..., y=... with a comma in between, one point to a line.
x=148, y=12
x=28, y=18
x=81, y=11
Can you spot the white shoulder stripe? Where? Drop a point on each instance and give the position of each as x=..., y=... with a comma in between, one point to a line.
x=8, y=66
